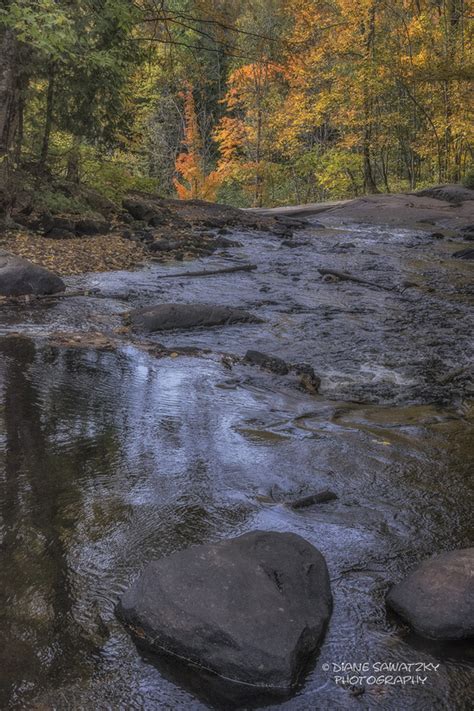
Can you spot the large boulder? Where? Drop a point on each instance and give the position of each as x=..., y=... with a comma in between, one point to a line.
x=166, y=317
x=251, y=609
x=19, y=276
x=437, y=598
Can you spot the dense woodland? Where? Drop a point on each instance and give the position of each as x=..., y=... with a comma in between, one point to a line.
x=259, y=102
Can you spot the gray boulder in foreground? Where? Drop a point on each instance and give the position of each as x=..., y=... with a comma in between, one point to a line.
x=166, y=317
x=19, y=276
x=437, y=598
x=251, y=609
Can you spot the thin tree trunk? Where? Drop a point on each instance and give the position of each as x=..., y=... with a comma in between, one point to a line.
x=73, y=164
x=370, y=185
x=48, y=121
x=9, y=102
x=368, y=32
x=258, y=177
x=20, y=131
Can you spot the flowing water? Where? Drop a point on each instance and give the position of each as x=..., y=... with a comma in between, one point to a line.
x=111, y=458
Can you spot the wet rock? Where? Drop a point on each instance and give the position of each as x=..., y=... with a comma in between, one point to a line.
x=275, y=365
x=437, y=235
x=467, y=233
x=437, y=598
x=166, y=317
x=295, y=223
x=92, y=227
x=289, y=243
x=19, y=276
x=223, y=243
x=251, y=609
x=309, y=381
x=330, y=278
x=320, y=497
x=464, y=254
x=283, y=232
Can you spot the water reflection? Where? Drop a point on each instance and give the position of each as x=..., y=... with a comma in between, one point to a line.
x=110, y=459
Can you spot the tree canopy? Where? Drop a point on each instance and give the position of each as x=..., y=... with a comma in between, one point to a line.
x=258, y=102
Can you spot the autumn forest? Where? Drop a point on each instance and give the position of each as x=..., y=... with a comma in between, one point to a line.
x=236, y=355
x=254, y=103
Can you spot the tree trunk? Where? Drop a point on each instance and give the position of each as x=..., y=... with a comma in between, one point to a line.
x=10, y=92
x=258, y=177
x=370, y=185
x=48, y=121
x=20, y=131
x=73, y=163
x=368, y=33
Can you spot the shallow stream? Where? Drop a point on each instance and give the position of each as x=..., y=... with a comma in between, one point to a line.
x=111, y=458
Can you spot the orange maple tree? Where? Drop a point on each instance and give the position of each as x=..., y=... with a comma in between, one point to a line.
x=194, y=181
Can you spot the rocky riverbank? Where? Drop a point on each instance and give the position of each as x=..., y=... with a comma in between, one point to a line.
x=144, y=228
x=148, y=228
x=317, y=384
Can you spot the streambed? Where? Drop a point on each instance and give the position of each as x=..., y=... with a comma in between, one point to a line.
x=111, y=458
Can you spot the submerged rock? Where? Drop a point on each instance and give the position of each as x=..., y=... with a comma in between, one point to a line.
x=251, y=609
x=166, y=317
x=437, y=598
x=19, y=276
x=272, y=363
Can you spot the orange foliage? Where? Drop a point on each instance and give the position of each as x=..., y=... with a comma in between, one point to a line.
x=193, y=181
